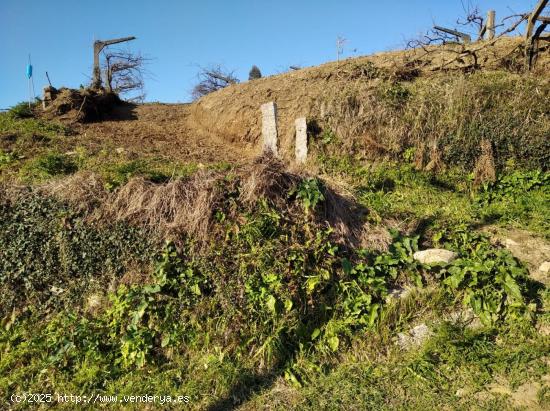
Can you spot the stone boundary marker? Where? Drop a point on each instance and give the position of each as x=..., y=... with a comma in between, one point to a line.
x=301, y=140
x=270, y=137
x=269, y=127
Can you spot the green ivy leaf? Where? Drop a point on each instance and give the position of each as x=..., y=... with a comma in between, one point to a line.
x=271, y=303
x=333, y=343
x=315, y=333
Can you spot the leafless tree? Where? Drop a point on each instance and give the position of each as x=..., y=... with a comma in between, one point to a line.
x=465, y=52
x=124, y=73
x=472, y=18
x=340, y=43
x=212, y=79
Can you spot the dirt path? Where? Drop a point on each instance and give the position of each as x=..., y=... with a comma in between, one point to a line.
x=531, y=249
x=161, y=130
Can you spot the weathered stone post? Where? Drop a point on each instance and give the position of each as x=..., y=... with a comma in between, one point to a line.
x=491, y=24
x=301, y=140
x=269, y=127
x=50, y=93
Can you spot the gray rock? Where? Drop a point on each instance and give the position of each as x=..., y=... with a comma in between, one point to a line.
x=398, y=293
x=435, y=255
x=415, y=337
x=465, y=317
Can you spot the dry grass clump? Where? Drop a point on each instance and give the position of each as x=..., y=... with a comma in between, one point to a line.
x=266, y=178
x=169, y=209
x=484, y=170
x=436, y=163
x=84, y=191
x=188, y=206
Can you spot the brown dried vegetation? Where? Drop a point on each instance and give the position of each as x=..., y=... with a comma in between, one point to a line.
x=188, y=206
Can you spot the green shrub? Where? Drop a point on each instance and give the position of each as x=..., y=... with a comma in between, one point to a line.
x=254, y=73
x=513, y=186
x=491, y=281
x=395, y=94
x=309, y=192
x=22, y=110
x=48, y=165
x=7, y=158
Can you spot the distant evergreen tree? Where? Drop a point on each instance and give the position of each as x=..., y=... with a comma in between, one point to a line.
x=254, y=73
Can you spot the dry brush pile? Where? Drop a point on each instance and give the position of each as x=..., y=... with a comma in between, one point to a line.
x=188, y=207
x=82, y=105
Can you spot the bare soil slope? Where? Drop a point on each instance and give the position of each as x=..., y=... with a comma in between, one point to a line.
x=160, y=129
x=226, y=125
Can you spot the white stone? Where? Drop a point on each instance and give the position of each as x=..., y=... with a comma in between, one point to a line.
x=435, y=255
x=415, y=337
x=269, y=127
x=301, y=140
x=545, y=267
x=56, y=290
x=465, y=317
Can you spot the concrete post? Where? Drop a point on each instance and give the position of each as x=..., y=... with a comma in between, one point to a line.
x=269, y=127
x=301, y=140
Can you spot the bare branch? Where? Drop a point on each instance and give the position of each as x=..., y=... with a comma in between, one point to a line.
x=212, y=79
x=124, y=73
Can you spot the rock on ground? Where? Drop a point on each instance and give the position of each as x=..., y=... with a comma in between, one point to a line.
x=435, y=255
x=415, y=337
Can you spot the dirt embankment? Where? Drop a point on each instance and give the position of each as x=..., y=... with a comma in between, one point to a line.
x=226, y=125
x=337, y=94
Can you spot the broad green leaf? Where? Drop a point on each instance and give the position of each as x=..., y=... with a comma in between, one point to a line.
x=333, y=343
x=315, y=333
x=271, y=303
x=288, y=305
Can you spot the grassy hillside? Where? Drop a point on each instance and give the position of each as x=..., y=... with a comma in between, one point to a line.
x=154, y=252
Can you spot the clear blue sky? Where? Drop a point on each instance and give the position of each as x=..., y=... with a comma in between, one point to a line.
x=181, y=35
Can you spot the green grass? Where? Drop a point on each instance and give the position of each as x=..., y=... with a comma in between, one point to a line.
x=29, y=126
x=455, y=367
x=272, y=312
x=47, y=165
x=393, y=190
x=452, y=370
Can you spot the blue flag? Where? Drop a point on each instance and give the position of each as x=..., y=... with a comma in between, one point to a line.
x=29, y=71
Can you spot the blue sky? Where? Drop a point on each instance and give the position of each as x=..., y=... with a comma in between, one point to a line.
x=179, y=36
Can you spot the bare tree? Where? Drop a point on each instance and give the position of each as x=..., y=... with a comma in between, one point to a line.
x=99, y=45
x=340, y=43
x=212, y=79
x=465, y=52
x=124, y=73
